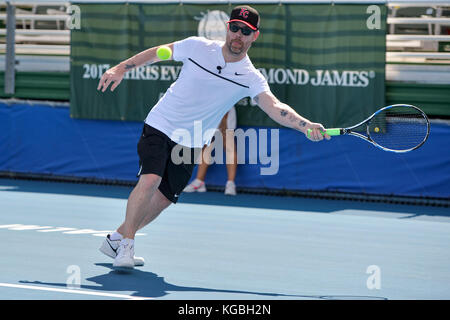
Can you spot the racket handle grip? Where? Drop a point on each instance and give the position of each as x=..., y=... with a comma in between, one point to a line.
x=330, y=132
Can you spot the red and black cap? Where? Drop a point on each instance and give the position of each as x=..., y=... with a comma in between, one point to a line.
x=246, y=15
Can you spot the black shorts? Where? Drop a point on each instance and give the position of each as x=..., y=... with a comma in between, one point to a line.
x=155, y=156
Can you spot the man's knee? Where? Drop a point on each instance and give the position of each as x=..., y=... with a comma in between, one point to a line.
x=149, y=182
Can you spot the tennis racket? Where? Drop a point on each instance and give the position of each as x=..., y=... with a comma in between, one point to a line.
x=395, y=128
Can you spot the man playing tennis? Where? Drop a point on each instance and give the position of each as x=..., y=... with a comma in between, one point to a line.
x=215, y=75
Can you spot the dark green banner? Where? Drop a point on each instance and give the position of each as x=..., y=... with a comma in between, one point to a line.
x=326, y=61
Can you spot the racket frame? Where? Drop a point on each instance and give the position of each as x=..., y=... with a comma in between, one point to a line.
x=348, y=130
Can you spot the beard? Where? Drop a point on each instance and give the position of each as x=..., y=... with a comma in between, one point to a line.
x=236, y=47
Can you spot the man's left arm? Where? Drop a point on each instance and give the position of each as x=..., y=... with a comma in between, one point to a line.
x=286, y=116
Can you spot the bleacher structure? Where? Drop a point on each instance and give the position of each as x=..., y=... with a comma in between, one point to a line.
x=40, y=28
x=417, y=43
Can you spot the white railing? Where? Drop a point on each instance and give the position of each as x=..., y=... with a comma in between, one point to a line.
x=415, y=47
x=435, y=74
x=46, y=49
x=38, y=32
x=424, y=20
x=428, y=55
x=421, y=37
x=32, y=41
x=40, y=17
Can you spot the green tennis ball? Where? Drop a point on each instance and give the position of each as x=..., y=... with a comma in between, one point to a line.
x=164, y=53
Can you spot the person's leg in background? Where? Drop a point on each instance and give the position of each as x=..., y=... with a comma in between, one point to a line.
x=228, y=125
x=198, y=184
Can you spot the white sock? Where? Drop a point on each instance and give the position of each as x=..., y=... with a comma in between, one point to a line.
x=126, y=241
x=197, y=182
x=116, y=236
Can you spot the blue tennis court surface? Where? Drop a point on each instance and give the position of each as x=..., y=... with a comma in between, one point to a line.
x=209, y=246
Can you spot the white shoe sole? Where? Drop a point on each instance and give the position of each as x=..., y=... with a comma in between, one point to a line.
x=195, y=190
x=107, y=250
x=124, y=264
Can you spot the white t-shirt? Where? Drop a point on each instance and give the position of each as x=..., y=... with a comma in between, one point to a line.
x=193, y=106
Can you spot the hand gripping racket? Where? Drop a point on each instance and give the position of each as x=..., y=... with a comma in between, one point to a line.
x=395, y=128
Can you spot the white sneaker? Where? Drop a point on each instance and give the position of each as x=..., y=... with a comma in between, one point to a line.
x=125, y=255
x=109, y=247
x=230, y=188
x=195, y=186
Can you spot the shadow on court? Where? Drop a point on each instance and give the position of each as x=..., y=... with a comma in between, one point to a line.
x=150, y=285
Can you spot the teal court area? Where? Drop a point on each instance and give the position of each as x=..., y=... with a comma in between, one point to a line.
x=209, y=246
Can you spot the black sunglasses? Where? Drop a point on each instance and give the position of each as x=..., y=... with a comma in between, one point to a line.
x=246, y=31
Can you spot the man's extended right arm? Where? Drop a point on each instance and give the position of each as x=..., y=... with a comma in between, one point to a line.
x=288, y=117
x=116, y=73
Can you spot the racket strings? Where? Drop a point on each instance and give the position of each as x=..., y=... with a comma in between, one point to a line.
x=399, y=128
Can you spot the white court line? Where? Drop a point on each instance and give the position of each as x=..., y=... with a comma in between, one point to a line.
x=76, y=291
x=65, y=230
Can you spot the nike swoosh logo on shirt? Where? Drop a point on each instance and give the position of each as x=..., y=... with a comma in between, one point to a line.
x=238, y=74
